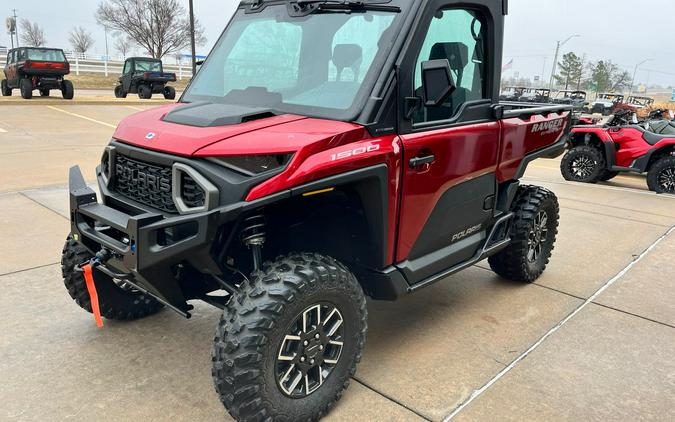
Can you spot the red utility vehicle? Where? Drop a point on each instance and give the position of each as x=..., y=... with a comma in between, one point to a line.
x=360, y=151
x=600, y=153
x=36, y=68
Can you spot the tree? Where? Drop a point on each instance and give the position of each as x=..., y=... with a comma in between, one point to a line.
x=123, y=45
x=571, y=70
x=159, y=26
x=80, y=39
x=608, y=77
x=31, y=34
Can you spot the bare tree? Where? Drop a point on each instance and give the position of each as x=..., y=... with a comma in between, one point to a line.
x=31, y=34
x=159, y=26
x=80, y=39
x=123, y=45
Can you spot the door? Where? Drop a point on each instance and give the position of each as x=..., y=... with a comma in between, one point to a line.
x=450, y=152
x=10, y=68
x=127, y=73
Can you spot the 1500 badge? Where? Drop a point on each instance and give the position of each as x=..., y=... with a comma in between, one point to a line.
x=357, y=151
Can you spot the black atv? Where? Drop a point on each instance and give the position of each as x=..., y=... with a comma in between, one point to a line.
x=28, y=69
x=145, y=76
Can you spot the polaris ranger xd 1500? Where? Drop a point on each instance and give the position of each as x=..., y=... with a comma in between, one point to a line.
x=325, y=152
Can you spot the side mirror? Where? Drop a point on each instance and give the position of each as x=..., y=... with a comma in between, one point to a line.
x=437, y=82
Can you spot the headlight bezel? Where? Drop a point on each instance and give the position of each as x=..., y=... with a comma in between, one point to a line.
x=253, y=165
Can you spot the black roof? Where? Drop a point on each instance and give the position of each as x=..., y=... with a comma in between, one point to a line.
x=36, y=48
x=144, y=58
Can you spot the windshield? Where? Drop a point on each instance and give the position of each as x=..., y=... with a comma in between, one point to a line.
x=148, y=66
x=318, y=65
x=46, y=55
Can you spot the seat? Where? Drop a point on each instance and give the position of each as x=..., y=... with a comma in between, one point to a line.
x=665, y=130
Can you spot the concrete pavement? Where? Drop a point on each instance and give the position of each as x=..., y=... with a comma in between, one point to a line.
x=593, y=339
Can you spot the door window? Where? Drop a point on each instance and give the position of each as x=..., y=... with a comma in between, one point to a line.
x=456, y=35
x=127, y=67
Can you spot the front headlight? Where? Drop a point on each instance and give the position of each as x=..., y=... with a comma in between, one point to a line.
x=252, y=165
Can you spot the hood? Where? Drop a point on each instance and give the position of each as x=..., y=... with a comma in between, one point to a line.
x=166, y=128
x=205, y=131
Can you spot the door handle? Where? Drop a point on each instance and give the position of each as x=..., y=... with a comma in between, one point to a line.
x=420, y=161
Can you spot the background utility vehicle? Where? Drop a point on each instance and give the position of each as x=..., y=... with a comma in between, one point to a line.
x=30, y=68
x=145, y=76
x=600, y=153
x=605, y=103
x=359, y=151
x=576, y=99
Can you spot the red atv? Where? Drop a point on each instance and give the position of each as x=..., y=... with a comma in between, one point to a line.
x=361, y=150
x=599, y=153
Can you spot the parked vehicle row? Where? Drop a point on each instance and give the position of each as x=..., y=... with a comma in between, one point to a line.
x=30, y=69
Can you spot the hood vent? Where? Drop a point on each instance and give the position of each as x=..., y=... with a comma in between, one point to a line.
x=203, y=114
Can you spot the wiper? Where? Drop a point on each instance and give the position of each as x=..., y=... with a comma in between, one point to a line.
x=307, y=7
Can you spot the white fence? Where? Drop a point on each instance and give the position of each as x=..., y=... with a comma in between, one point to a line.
x=92, y=63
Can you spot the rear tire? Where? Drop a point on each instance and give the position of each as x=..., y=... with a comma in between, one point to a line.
x=119, y=92
x=533, y=233
x=661, y=176
x=169, y=93
x=26, y=88
x=583, y=164
x=67, y=90
x=263, y=344
x=6, y=90
x=144, y=92
x=114, y=301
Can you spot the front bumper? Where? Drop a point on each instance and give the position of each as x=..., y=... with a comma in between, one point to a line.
x=137, y=242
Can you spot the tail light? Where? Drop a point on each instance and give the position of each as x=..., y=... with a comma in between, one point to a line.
x=44, y=65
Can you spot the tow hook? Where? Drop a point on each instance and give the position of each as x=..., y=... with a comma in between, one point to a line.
x=87, y=268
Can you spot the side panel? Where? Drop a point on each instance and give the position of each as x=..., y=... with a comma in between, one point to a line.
x=311, y=164
x=631, y=145
x=462, y=154
x=524, y=136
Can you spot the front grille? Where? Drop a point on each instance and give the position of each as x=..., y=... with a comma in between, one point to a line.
x=149, y=184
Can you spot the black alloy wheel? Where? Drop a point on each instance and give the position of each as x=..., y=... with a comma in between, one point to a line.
x=310, y=350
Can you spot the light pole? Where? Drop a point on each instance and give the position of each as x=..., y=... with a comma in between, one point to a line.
x=632, y=82
x=192, y=40
x=557, y=51
x=16, y=28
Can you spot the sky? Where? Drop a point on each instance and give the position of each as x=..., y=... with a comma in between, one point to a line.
x=614, y=30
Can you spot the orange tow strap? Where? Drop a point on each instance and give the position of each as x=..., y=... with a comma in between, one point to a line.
x=91, y=287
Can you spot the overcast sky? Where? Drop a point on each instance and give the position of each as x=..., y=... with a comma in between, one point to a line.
x=609, y=29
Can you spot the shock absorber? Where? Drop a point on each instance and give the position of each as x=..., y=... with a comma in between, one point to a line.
x=253, y=236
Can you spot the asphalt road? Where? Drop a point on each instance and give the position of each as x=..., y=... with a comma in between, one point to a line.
x=593, y=339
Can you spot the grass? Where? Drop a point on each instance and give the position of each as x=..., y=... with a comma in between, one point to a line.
x=100, y=81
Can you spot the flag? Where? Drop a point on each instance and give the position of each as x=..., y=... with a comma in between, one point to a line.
x=507, y=66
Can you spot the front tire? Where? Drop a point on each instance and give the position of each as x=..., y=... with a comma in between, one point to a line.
x=661, y=176
x=533, y=233
x=26, y=88
x=583, y=164
x=6, y=90
x=290, y=340
x=114, y=301
x=119, y=92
